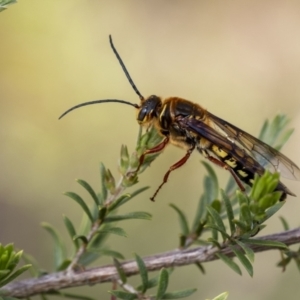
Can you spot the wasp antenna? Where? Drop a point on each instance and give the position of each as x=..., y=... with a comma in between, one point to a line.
x=124, y=68
x=96, y=102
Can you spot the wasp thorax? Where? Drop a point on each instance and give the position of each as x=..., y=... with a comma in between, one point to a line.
x=149, y=109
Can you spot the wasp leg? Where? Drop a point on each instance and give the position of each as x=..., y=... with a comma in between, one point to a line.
x=155, y=149
x=226, y=167
x=172, y=168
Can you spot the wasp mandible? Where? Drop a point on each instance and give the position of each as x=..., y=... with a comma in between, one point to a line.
x=190, y=126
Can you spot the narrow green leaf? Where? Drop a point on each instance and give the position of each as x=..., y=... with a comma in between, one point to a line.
x=214, y=237
x=214, y=226
x=209, y=190
x=284, y=223
x=217, y=220
x=118, y=202
x=245, y=215
x=243, y=227
x=85, y=225
x=284, y=138
x=110, y=181
x=200, y=267
x=4, y=261
x=274, y=130
x=163, y=282
x=103, y=184
x=154, y=281
x=248, y=251
x=213, y=177
x=222, y=296
x=59, y=247
x=214, y=242
x=120, y=271
x=129, y=216
x=124, y=295
x=88, y=257
x=199, y=212
x=229, y=212
x=269, y=200
x=179, y=294
x=143, y=272
x=64, y=265
x=113, y=230
x=89, y=190
x=271, y=211
x=182, y=220
x=35, y=269
x=4, y=273
x=82, y=238
x=107, y=252
x=151, y=283
x=14, y=259
x=95, y=211
x=71, y=230
x=182, y=241
x=242, y=198
x=243, y=259
x=80, y=201
x=124, y=160
x=15, y=274
x=266, y=243
x=139, y=191
x=231, y=184
x=284, y=262
x=263, y=131
x=273, y=182
x=99, y=239
x=198, y=230
x=3, y=6
x=102, y=212
x=217, y=205
x=230, y=263
x=100, y=199
x=9, y=247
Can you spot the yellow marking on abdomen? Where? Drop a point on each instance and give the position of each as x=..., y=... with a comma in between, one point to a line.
x=242, y=173
x=231, y=162
x=218, y=151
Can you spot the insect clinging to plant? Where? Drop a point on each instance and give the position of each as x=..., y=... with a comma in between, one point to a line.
x=189, y=126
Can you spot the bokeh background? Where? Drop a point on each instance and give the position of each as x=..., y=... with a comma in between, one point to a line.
x=239, y=59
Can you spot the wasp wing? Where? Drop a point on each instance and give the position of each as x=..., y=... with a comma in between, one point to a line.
x=265, y=155
x=214, y=136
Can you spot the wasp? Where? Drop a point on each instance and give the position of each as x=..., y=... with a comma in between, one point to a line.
x=190, y=126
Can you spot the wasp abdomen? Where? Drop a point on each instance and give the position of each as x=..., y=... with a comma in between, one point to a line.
x=246, y=175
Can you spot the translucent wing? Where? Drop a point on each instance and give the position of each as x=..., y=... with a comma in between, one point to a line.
x=240, y=148
x=217, y=138
x=265, y=155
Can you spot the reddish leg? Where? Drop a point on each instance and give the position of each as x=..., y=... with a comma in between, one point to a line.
x=172, y=168
x=226, y=167
x=156, y=149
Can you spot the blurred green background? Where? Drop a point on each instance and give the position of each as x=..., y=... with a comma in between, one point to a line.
x=239, y=59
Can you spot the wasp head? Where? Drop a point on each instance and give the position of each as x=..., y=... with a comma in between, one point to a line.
x=149, y=109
